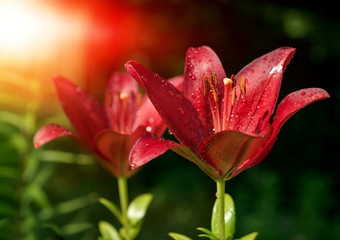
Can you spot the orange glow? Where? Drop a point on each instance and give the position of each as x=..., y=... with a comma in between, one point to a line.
x=24, y=27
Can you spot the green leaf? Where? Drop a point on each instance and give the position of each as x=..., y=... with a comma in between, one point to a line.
x=250, y=236
x=9, y=172
x=108, y=231
x=212, y=237
x=112, y=207
x=207, y=234
x=37, y=195
x=229, y=217
x=66, y=157
x=75, y=204
x=75, y=228
x=11, y=118
x=138, y=208
x=178, y=236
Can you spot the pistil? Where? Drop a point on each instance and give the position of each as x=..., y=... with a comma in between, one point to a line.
x=123, y=115
x=228, y=83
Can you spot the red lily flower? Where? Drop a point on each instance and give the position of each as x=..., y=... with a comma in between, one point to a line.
x=225, y=125
x=108, y=132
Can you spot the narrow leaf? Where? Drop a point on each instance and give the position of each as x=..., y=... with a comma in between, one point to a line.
x=75, y=228
x=207, y=234
x=229, y=218
x=178, y=236
x=250, y=236
x=12, y=119
x=138, y=208
x=112, y=207
x=75, y=204
x=212, y=237
x=108, y=231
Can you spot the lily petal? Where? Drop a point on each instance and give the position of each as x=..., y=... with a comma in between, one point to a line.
x=291, y=104
x=122, y=83
x=147, y=148
x=50, y=132
x=294, y=102
x=148, y=117
x=84, y=112
x=111, y=146
x=225, y=150
x=176, y=110
x=200, y=63
x=121, y=99
x=263, y=82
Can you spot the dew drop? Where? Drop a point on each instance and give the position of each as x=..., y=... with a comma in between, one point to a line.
x=303, y=93
x=148, y=129
x=151, y=120
x=181, y=110
x=170, y=133
x=133, y=166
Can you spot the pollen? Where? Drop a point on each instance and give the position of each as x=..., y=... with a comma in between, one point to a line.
x=243, y=85
x=210, y=85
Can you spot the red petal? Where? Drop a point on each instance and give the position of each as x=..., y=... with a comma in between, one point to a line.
x=84, y=112
x=115, y=148
x=291, y=104
x=200, y=62
x=148, y=117
x=225, y=150
x=295, y=101
x=122, y=83
x=176, y=110
x=263, y=82
x=121, y=102
x=147, y=148
x=50, y=132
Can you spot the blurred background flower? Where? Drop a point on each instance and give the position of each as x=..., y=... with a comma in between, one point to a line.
x=292, y=194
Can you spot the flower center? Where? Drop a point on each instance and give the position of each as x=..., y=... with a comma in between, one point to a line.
x=121, y=109
x=221, y=110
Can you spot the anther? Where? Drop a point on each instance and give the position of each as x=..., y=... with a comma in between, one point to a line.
x=243, y=85
x=233, y=96
x=210, y=85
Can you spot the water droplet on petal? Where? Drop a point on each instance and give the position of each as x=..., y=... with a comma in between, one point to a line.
x=78, y=89
x=148, y=129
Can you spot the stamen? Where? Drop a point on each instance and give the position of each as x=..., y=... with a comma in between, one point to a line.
x=233, y=96
x=206, y=86
x=243, y=85
x=210, y=86
x=139, y=99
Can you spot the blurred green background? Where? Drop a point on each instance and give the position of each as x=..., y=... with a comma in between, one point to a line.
x=51, y=193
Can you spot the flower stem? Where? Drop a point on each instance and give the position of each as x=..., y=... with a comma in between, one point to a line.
x=220, y=196
x=124, y=203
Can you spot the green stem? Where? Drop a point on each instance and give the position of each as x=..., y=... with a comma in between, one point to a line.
x=220, y=196
x=124, y=203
